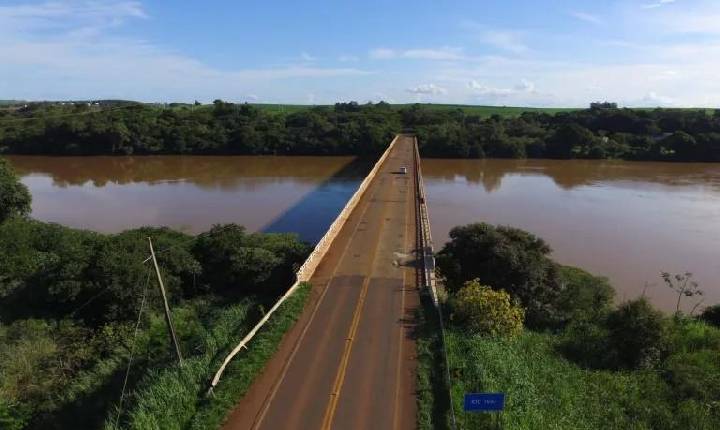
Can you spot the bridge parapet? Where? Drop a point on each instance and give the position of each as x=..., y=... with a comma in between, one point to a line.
x=426, y=243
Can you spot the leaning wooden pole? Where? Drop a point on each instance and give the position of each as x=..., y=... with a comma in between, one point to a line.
x=168, y=318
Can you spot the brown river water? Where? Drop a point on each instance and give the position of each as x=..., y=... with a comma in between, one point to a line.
x=625, y=220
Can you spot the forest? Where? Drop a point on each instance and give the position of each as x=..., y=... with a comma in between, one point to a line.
x=124, y=128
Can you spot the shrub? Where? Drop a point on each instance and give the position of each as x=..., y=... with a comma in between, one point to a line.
x=637, y=333
x=587, y=342
x=711, y=315
x=690, y=335
x=505, y=258
x=695, y=375
x=583, y=295
x=481, y=310
x=235, y=262
x=14, y=196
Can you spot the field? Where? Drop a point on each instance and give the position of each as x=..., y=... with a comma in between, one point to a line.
x=484, y=111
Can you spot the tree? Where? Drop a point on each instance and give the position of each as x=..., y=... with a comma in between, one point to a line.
x=504, y=258
x=15, y=198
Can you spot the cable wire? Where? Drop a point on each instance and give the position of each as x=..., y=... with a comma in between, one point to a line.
x=132, y=348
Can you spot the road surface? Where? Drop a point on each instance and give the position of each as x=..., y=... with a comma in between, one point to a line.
x=349, y=362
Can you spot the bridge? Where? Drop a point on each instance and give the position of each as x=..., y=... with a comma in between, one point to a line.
x=349, y=362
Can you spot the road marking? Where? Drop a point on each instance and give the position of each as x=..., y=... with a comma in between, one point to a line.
x=270, y=398
x=340, y=376
x=398, y=376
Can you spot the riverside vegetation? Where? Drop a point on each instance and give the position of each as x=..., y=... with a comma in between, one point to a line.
x=581, y=362
x=71, y=320
x=351, y=129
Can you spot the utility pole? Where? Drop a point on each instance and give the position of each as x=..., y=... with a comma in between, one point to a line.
x=168, y=318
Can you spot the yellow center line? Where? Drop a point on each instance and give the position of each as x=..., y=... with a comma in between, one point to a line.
x=340, y=376
x=296, y=348
x=398, y=376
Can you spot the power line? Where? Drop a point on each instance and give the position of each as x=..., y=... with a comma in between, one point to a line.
x=132, y=348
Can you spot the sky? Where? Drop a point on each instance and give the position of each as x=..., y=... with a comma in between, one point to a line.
x=560, y=53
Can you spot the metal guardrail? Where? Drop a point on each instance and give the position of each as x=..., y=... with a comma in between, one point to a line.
x=308, y=268
x=428, y=272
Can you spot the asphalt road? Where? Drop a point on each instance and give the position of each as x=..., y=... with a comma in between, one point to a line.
x=349, y=362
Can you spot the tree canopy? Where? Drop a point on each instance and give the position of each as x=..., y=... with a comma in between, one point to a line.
x=360, y=129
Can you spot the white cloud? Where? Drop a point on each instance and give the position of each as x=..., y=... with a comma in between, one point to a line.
x=653, y=99
x=523, y=87
x=587, y=17
x=657, y=4
x=427, y=89
x=434, y=54
x=445, y=53
x=382, y=54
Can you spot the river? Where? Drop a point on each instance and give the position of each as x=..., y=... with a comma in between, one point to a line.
x=625, y=220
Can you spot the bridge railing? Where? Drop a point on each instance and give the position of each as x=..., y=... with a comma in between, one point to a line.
x=308, y=268
x=428, y=270
x=426, y=245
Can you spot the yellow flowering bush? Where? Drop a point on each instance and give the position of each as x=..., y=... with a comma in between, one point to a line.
x=481, y=310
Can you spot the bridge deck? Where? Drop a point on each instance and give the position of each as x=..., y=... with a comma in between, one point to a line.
x=349, y=363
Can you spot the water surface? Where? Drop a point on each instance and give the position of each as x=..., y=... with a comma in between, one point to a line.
x=628, y=221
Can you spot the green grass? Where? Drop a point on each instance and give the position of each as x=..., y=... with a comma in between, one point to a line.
x=484, y=111
x=432, y=392
x=283, y=108
x=487, y=111
x=546, y=391
x=174, y=398
x=242, y=371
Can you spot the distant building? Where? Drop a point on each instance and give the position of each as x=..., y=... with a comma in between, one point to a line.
x=603, y=105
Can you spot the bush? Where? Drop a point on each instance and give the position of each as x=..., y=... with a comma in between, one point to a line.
x=583, y=295
x=638, y=335
x=481, y=310
x=505, y=258
x=235, y=262
x=15, y=198
x=711, y=315
x=587, y=342
x=695, y=375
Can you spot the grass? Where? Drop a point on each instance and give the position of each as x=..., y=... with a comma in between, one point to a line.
x=484, y=111
x=432, y=393
x=243, y=370
x=174, y=398
x=544, y=390
x=487, y=111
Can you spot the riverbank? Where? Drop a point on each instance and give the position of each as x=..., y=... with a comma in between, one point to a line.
x=602, y=366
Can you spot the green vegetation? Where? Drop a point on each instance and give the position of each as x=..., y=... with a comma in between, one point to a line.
x=588, y=365
x=481, y=310
x=117, y=127
x=14, y=196
x=175, y=398
x=77, y=306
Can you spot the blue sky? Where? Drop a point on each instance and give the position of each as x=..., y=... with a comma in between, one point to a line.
x=512, y=52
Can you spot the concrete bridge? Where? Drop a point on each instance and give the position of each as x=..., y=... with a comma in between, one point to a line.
x=349, y=362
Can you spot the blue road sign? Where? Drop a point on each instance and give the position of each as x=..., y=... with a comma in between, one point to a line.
x=484, y=402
